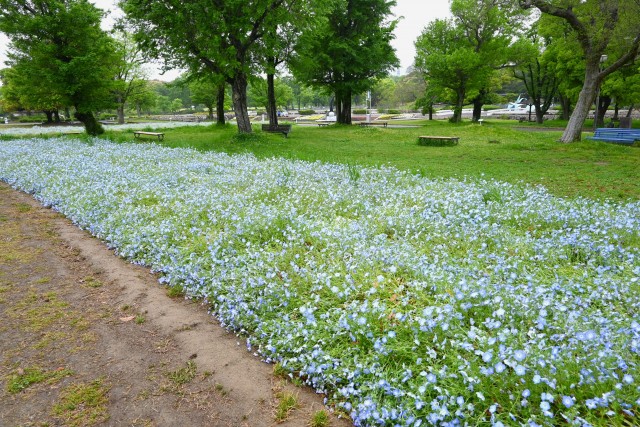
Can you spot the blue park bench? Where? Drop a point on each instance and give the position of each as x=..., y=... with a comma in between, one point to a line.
x=616, y=135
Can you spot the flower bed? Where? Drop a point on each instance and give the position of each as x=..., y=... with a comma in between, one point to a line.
x=407, y=301
x=52, y=130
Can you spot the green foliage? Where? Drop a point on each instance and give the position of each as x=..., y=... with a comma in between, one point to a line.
x=594, y=28
x=460, y=55
x=306, y=112
x=223, y=39
x=60, y=56
x=258, y=93
x=347, y=50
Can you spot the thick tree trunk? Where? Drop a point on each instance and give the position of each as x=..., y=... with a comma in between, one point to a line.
x=457, y=110
x=56, y=116
x=477, y=110
x=272, y=112
x=220, y=104
x=91, y=125
x=239, y=98
x=539, y=112
x=629, y=110
x=573, y=131
x=49, y=115
x=343, y=107
x=603, y=106
x=120, y=112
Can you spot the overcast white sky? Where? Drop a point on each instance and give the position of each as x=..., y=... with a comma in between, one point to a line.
x=416, y=15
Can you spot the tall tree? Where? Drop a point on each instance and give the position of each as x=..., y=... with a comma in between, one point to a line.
x=536, y=67
x=601, y=27
x=221, y=37
x=130, y=74
x=60, y=42
x=347, y=50
x=449, y=62
x=489, y=26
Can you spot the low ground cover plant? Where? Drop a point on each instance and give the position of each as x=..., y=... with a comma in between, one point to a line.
x=406, y=300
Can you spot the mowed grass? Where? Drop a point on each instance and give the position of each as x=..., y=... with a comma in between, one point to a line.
x=497, y=149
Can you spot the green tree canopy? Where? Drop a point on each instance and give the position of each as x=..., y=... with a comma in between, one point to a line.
x=347, y=50
x=600, y=27
x=221, y=37
x=57, y=46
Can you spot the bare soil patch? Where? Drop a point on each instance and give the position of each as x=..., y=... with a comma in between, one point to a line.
x=89, y=339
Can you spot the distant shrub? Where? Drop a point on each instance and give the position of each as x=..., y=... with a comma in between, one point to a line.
x=359, y=111
x=32, y=119
x=306, y=112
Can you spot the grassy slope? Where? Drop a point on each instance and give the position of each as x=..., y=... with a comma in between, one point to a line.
x=497, y=149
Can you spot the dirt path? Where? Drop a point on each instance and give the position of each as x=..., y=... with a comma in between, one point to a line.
x=88, y=339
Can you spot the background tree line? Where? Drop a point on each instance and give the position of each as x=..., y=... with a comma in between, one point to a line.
x=279, y=53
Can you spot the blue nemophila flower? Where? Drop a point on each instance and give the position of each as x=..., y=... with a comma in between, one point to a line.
x=519, y=355
x=568, y=401
x=356, y=287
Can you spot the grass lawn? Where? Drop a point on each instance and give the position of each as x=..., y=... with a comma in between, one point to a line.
x=501, y=150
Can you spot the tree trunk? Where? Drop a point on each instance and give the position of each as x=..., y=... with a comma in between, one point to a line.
x=272, y=112
x=138, y=109
x=565, y=103
x=343, y=107
x=91, y=125
x=56, y=116
x=629, y=110
x=120, y=110
x=616, y=112
x=539, y=112
x=573, y=131
x=49, y=115
x=210, y=115
x=603, y=106
x=239, y=97
x=477, y=110
x=220, y=104
x=457, y=110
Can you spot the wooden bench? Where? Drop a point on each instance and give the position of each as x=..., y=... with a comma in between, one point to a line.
x=138, y=134
x=438, y=141
x=283, y=129
x=364, y=124
x=616, y=135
